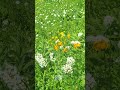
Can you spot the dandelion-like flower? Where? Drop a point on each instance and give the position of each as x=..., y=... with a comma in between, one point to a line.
x=42, y=61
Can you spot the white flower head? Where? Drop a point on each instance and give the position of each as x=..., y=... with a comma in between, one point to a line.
x=51, y=57
x=75, y=42
x=67, y=68
x=70, y=60
x=80, y=34
x=42, y=61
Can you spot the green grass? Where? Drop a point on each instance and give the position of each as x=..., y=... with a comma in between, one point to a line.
x=51, y=18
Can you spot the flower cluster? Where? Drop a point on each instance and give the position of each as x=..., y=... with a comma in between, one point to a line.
x=12, y=78
x=67, y=68
x=42, y=61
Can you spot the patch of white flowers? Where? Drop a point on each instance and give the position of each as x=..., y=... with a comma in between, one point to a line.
x=11, y=77
x=67, y=68
x=41, y=60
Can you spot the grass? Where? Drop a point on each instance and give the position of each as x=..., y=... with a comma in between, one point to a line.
x=60, y=20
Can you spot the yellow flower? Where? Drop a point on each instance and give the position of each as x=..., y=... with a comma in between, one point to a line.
x=65, y=49
x=68, y=36
x=76, y=45
x=59, y=43
x=62, y=34
x=100, y=45
x=56, y=47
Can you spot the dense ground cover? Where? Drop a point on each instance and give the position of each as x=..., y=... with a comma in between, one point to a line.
x=59, y=44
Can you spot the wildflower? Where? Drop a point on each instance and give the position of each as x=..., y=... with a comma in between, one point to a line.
x=80, y=34
x=56, y=47
x=100, y=43
x=90, y=38
x=58, y=77
x=51, y=57
x=60, y=43
x=67, y=68
x=68, y=36
x=76, y=44
x=42, y=61
x=62, y=34
x=70, y=60
x=66, y=48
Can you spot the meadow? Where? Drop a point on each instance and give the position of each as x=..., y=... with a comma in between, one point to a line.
x=60, y=45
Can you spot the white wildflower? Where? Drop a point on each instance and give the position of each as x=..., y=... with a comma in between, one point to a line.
x=42, y=61
x=67, y=68
x=51, y=57
x=70, y=60
x=75, y=42
x=80, y=34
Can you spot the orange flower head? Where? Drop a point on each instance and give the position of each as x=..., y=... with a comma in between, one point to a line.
x=76, y=45
x=60, y=43
x=56, y=47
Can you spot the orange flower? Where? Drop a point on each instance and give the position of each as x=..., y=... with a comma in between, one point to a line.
x=76, y=45
x=60, y=43
x=100, y=45
x=56, y=47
